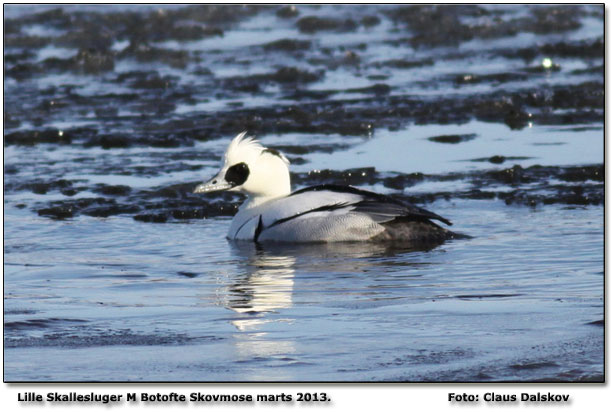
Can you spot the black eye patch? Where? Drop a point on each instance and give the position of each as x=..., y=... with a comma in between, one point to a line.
x=237, y=174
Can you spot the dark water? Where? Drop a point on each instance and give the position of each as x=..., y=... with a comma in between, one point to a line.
x=491, y=116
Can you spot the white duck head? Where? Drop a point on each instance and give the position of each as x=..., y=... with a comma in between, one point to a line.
x=250, y=168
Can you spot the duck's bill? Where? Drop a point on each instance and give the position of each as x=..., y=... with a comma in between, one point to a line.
x=213, y=185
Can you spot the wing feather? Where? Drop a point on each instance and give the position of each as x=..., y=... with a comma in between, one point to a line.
x=380, y=208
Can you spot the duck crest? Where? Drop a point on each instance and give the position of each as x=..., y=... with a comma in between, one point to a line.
x=242, y=147
x=246, y=147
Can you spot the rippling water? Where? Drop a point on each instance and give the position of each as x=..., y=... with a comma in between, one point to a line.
x=131, y=289
x=130, y=300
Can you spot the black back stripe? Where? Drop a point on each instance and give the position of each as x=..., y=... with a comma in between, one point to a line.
x=241, y=226
x=347, y=189
x=332, y=188
x=373, y=198
x=325, y=208
x=259, y=229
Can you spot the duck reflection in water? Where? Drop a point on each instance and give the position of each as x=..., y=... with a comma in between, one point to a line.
x=264, y=289
x=265, y=286
x=267, y=282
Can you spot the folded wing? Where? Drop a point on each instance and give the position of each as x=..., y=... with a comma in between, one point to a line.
x=334, y=213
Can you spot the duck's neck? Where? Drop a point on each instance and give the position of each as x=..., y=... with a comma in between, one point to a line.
x=260, y=194
x=254, y=201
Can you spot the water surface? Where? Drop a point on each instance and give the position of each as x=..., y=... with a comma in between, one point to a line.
x=115, y=271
